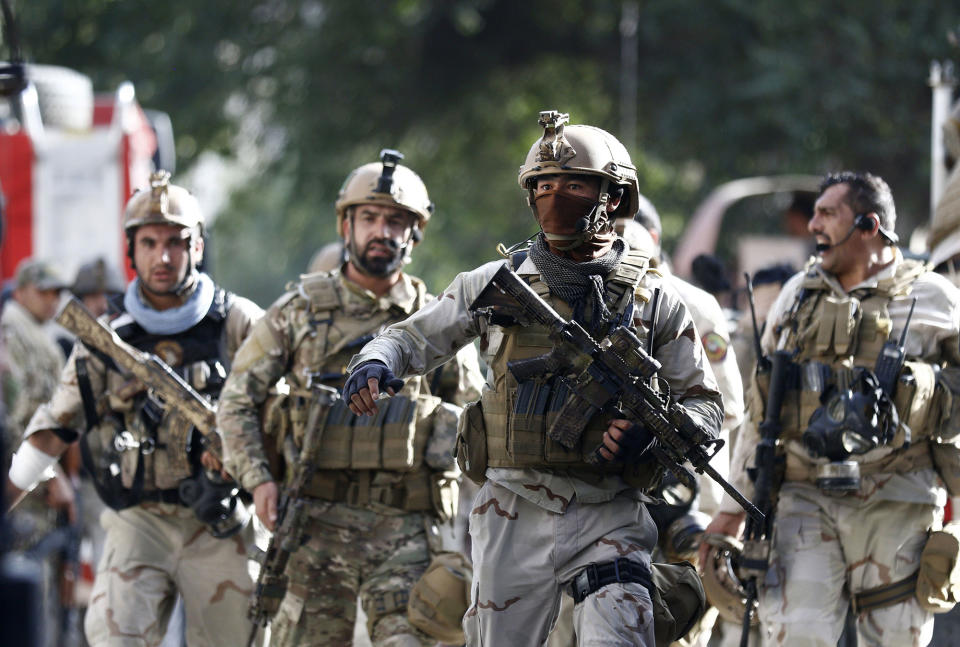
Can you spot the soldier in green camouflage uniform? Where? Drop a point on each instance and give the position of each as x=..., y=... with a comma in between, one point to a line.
x=378, y=481
x=35, y=362
x=141, y=452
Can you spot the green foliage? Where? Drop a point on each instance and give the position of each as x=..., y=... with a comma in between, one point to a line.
x=301, y=91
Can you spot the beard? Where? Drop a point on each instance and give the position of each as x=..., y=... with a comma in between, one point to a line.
x=378, y=266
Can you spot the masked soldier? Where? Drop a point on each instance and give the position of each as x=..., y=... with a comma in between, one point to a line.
x=868, y=447
x=545, y=518
x=141, y=453
x=377, y=481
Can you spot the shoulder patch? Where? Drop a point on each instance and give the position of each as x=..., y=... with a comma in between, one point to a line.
x=715, y=346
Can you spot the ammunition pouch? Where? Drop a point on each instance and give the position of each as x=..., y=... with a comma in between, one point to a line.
x=471, y=449
x=440, y=598
x=938, y=584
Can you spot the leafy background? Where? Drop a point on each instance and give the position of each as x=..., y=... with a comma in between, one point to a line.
x=291, y=95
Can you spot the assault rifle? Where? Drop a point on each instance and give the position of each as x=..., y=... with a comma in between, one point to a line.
x=611, y=375
x=161, y=380
x=291, y=514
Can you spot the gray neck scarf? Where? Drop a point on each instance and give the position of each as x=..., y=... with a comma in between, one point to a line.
x=579, y=284
x=173, y=320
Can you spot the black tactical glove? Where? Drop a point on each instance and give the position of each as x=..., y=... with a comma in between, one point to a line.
x=363, y=372
x=636, y=441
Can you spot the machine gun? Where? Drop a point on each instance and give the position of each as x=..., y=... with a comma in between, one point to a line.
x=291, y=515
x=161, y=380
x=611, y=375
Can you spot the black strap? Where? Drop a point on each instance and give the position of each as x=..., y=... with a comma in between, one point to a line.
x=86, y=393
x=884, y=596
x=596, y=576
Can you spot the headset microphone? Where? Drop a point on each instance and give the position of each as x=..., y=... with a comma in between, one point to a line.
x=861, y=222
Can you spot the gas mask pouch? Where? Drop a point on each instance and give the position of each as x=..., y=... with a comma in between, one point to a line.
x=215, y=502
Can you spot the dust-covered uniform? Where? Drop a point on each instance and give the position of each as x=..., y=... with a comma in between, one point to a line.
x=157, y=548
x=543, y=514
x=378, y=480
x=826, y=547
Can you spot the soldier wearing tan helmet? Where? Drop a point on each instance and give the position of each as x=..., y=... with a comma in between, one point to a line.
x=139, y=453
x=377, y=483
x=546, y=518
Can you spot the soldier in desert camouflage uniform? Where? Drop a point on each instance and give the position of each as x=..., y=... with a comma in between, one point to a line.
x=379, y=480
x=140, y=452
x=857, y=521
x=544, y=514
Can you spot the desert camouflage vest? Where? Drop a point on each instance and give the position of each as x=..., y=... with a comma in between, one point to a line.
x=396, y=438
x=516, y=417
x=833, y=335
x=157, y=443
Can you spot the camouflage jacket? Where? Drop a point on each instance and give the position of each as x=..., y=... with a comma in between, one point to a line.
x=431, y=336
x=35, y=365
x=310, y=333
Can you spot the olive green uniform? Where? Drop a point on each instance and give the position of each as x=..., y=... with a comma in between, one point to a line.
x=378, y=479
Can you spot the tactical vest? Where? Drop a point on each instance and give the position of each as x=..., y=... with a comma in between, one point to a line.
x=516, y=417
x=158, y=447
x=355, y=450
x=833, y=335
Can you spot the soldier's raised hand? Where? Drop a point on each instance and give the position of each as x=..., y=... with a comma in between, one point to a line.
x=363, y=386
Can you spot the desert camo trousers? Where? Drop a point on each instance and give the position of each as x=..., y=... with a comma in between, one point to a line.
x=524, y=554
x=350, y=552
x=824, y=547
x=153, y=551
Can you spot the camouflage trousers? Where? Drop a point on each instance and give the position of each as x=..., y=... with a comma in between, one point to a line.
x=825, y=547
x=523, y=555
x=153, y=551
x=351, y=551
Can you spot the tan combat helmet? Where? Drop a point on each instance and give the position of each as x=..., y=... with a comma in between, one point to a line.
x=388, y=183
x=581, y=150
x=722, y=586
x=163, y=204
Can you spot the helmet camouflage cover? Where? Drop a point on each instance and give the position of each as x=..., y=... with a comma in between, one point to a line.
x=581, y=150
x=163, y=204
x=388, y=183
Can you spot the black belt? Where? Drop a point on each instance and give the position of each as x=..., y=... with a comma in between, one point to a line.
x=596, y=576
x=162, y=496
